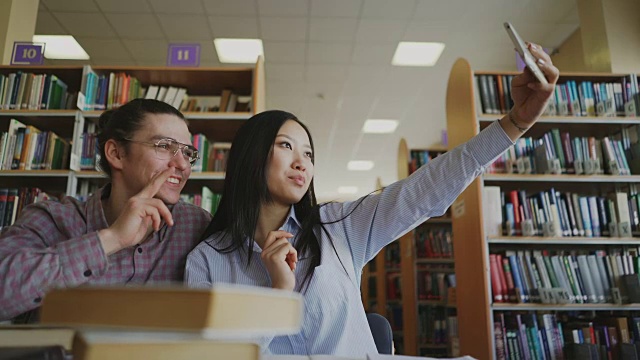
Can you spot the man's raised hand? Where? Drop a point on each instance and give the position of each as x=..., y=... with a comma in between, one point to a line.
x=142, y=214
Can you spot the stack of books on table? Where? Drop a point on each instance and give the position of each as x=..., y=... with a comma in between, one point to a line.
x=104, y=323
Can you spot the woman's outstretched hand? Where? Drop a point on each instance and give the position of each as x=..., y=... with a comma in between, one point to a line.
x=530, y=96
x=280, y=258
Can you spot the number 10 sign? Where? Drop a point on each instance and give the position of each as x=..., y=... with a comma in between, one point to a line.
x=27, y=53
x=183, y=55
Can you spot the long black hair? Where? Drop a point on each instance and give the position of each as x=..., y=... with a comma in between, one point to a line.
x=245, y=189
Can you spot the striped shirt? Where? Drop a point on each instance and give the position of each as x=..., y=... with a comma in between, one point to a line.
x=334, y=320
x=55, y=244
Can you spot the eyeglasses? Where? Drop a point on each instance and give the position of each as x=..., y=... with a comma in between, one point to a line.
x=168, y=148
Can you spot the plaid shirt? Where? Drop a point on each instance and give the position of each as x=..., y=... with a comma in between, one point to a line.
x=56, y=244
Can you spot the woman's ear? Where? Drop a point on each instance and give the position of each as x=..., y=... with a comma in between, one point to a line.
x=114, y=154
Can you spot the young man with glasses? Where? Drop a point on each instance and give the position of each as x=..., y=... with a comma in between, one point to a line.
x=133, y=230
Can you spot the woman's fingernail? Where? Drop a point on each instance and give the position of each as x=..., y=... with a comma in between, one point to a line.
x=541, y=62
x=532, y=46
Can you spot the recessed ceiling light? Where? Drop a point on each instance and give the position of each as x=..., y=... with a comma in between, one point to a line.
x=61, y=47
x=380, y=126
x=347, y=189
x=360, y=165
x=238, y=51
x=417, y=53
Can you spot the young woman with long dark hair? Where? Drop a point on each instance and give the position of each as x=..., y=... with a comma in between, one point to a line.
x=269, y=231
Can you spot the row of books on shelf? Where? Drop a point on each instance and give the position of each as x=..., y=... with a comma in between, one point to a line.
x=568, y=277
x=520, y=336
x=13, y=200
x=571, y=98
x=559, y=153
x=25, y=147
x=90, y=154
x=433, y=285
x=435, y=325
x=430, y=243
x=494, y=93
x=433, y=242
x=418, y=158
x=213, y=156
x=29, y=91
x=108, y=91
x=207, y=199
x=553, y=213
x=104, y=91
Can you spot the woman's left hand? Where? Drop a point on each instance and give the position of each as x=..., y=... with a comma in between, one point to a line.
x=529, y=95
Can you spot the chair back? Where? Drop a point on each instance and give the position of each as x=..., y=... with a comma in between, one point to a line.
x=382, y=333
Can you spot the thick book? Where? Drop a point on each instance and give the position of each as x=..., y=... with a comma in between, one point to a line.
x=34, y=353
x=26, y=336
x=224, y=311
x=129, y=346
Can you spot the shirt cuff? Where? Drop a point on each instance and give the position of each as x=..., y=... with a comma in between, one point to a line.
x=82, y=259
x=489, y=143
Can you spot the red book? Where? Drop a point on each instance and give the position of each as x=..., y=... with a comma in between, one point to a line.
x=496, y=284
x=503, y=280
x=513, y=196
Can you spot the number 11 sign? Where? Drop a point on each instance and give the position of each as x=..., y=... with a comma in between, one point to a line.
x=183, y=55
x=27, y=53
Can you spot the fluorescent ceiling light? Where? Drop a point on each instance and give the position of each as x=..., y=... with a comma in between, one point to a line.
x=360, y=165
x=61, y=47
x=238, y=51
x=380, y=126
x=347, y=189
x=417, y=53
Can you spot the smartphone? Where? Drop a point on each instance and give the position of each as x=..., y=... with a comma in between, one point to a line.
x=524, y=52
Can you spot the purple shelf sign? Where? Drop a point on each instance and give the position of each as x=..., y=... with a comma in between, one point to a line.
x=183, y=55
x=27, y=53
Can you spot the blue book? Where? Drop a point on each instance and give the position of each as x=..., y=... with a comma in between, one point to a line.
x=517, y=278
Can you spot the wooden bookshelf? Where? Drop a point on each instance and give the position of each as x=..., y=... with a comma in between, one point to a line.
x=407, y=269
x=474, y=321
x=246, y=82
x=474, y=298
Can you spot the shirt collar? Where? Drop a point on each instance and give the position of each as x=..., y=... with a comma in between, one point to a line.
x=291, y=224
x=96, y=220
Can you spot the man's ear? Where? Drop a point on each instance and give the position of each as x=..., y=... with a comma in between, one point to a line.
x=114, y=153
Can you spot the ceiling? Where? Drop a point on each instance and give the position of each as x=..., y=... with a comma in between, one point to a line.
x=327, y=61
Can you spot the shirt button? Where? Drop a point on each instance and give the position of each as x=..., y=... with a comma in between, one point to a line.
x=139, y=250
x=37, y=300
x=87, y=273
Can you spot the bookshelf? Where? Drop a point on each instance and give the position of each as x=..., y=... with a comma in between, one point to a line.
x=480, y=311
x=427, y=264
x=392, y=281
x=375, y=288
x=203, y=84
